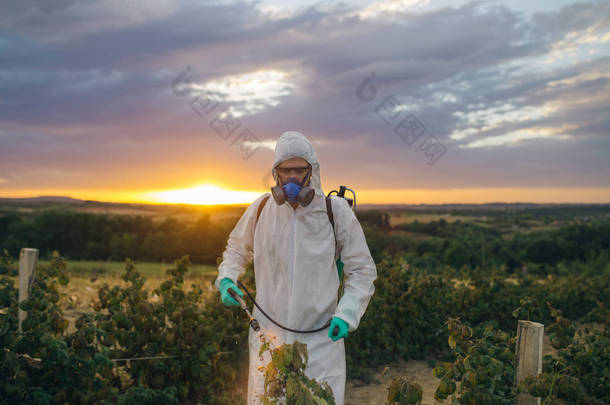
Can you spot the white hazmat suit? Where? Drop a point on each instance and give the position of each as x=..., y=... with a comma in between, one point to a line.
x=296, y=274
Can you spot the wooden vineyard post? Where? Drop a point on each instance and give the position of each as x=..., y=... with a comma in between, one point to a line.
x=27, y=264
x=528, y=356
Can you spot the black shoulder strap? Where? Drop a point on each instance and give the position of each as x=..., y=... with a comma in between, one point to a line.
x=329, y=211
x=331, y=218
x=260, y=208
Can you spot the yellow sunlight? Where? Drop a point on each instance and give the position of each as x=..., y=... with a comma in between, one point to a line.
x=206, y=194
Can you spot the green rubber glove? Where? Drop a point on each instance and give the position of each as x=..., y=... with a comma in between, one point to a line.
x=225, y=284
x=343, y=327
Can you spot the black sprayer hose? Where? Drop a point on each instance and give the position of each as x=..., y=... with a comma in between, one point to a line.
x=281, y=326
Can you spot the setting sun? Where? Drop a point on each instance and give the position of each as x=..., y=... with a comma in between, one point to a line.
x=207, y=194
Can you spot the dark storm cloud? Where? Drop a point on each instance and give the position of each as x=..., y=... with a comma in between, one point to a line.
x=404, y=54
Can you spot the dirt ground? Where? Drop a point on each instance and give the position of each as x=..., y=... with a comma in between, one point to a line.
x=376, y=394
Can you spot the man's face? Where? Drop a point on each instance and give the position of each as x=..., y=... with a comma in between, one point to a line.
x=294, y=167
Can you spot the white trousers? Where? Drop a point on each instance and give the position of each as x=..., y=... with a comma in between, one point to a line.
x=326, y=363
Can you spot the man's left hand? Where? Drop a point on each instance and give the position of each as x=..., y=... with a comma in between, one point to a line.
x=341, y=325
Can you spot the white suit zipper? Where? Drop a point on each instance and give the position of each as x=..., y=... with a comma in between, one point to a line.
x=292, y=247
x=291, y=265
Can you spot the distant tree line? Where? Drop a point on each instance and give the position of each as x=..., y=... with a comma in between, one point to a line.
x=87, y=236
x=459, y=244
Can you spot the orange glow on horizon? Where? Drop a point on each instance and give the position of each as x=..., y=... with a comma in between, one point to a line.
x=210, y=194
x=206, y=194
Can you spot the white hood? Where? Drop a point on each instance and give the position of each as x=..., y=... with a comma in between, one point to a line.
x=294, y=144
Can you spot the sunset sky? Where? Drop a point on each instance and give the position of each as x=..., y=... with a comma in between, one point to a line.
x=405, y=101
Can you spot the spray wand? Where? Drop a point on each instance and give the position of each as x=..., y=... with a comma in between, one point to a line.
x=242, y=304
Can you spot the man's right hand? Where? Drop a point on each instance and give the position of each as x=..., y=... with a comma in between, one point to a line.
x=226, y=284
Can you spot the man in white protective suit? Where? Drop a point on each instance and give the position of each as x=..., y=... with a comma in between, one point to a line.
x=295, y=269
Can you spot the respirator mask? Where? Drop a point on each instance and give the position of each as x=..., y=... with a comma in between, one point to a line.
x=293, y=191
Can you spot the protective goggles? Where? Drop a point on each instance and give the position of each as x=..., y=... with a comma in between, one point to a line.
x=299, y=171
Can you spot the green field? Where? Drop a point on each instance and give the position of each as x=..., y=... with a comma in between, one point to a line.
x=84, y=268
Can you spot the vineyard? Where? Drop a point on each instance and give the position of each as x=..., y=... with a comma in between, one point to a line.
x=176, y=343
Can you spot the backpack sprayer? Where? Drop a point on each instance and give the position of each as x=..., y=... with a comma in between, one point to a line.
x=341, y=193
x=253, y=322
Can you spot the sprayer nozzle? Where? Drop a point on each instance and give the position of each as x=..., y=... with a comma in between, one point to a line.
x=255, y=325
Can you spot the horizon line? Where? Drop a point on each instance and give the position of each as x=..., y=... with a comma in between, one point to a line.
x=151, y=203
